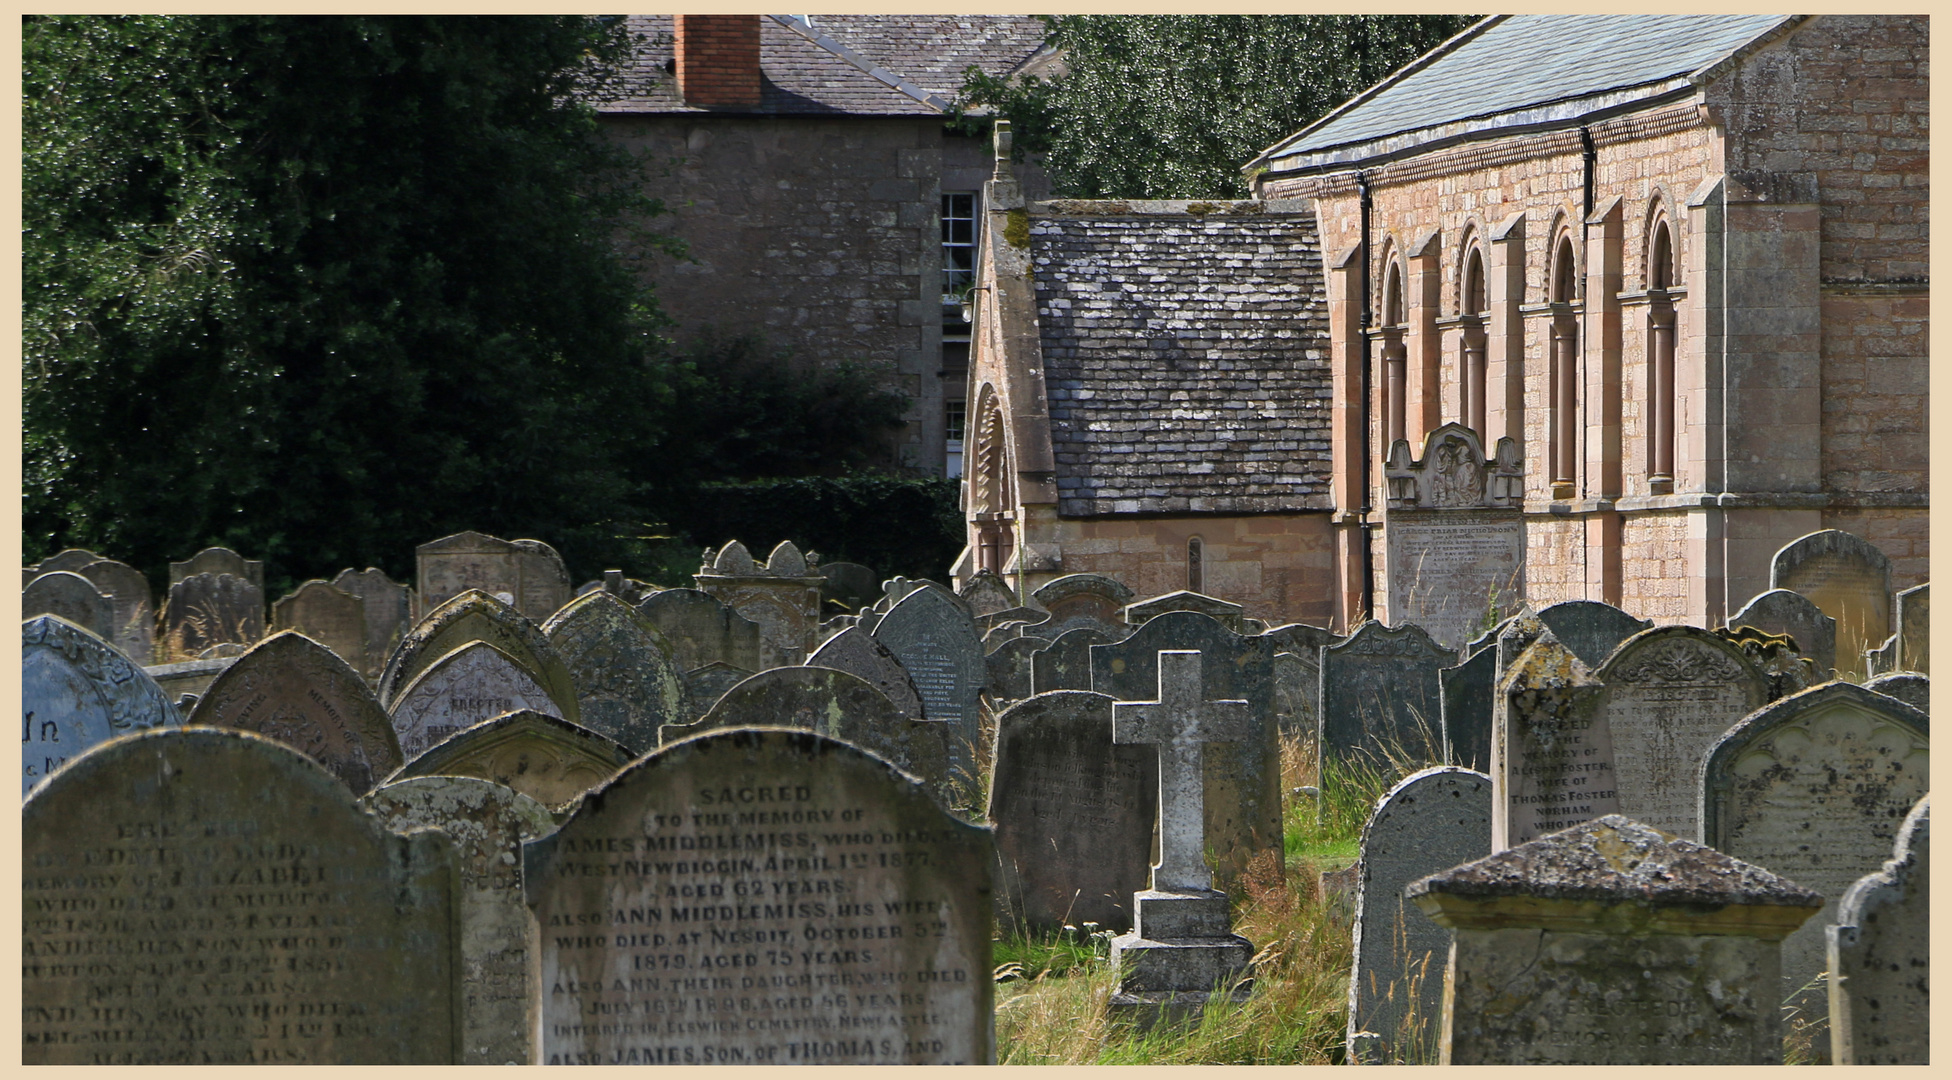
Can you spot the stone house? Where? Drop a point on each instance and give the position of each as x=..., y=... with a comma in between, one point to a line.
x=807, y=167
x=1679, y=262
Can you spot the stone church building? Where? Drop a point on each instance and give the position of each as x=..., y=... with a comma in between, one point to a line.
x=1606, y=307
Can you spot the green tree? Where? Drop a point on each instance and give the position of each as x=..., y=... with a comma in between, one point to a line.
x=1171, y=106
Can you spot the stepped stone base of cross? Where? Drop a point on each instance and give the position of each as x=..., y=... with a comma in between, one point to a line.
x=1182, y=950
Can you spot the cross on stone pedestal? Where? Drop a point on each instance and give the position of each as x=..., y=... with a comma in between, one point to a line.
x=1181, y=722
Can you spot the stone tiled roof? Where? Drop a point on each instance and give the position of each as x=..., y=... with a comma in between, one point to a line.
x=1185, y=356
x=854, y=65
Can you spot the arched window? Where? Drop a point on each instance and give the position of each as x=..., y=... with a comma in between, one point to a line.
x=1661, y=277
x=1565, y=367
x=1396, y=358
x=1473, y=306
x=1195, y=565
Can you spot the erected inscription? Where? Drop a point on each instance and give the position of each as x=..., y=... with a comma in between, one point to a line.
x=1448, y=567
x=1552, y=753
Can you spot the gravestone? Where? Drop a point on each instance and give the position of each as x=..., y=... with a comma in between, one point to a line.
x=1469, y=696
x=474, y=683
x=135, y=612
x=1011, y=621
x=626, y=684
x=1490, y=637
x=1815, y=786
x=1591, y=629
x=1551, y=752
x=1611, y=943
x=1065, y=664
x=1846, y=576
x=850, y=585
x=789, y=899
x=388, y=607
x=986, y=594
x=187, y=679
x=542, y=756
x=937, y=645
x=298, y=692
x=1242, y=785
x=211, y=609
x=487, y=824
x=476, y=616
x=859, y=654
x=701, y=630
x=1297, y=676
x=1083, y=596
x=705, y=685
x=1880, y=957
x=70, y=560
x=1227, y=613
x=1430, y=821
x=1786, y=670
x=70, y=596
x=1182, y=950
x=75, y=692
x=527, y=575
x=218, y=560
x=1780, y=611
x=1380, y=696
x=1073, y=814
x=1909, y=687
x=1668, y=694
x=1453, y=533
x=1914, y=628
x=1301, y=639
x=1008, y=669
x=328, y=615
x=782, y=596
x=208, y=897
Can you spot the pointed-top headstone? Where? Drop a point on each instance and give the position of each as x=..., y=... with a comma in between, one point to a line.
x=786, y=560
x=477, y=616
x=475, y=682
x=733, y=559
x=1145, y=611
x=76, y=691
x=626, y=683
x=295, y=690
x=1551, y=755
x=986, y=594
x=932, y=636
x=547, y=758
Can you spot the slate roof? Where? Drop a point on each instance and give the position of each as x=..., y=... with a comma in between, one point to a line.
x=853, y=65
x=1521, y=69
x=1185, y=356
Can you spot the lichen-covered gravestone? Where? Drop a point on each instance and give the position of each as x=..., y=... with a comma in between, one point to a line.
x=1880, y=954
x=1008, y=666
x=488, y=824
x=1380, y=697
x=857, y=653
x=527, y=575
x=76, y=692
x=388, y=607
x=1780, y=611
x=72, y=597
x=1073, y=814
x=476, y=616
x=135, y=610
x=205, y=897
x=932, y=636
x=702, y=630
x=626, y=683
x=1469, y=696
x=1590, y=628
x=1846, y=576
x=705, y=685
x=1430, y=821
x=211, y=609
x=1551, y=752
x=782, y=596
x=1909, y=687
x=292, y=689
x=538, y=754
x=328, y=615
x=475, y=682
x=1065, y=664
x=1815, y=787
x=764, y=897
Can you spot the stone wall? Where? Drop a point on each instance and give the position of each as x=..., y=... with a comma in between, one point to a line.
x=1654, y=584
x=1277, y=566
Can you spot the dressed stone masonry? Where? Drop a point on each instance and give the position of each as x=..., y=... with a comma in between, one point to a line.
x=1880, y=957
x=1611, y=943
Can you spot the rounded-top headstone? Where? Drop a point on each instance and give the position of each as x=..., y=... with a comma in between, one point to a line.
x=72, y=597
x=702, y=630
x=210, y=609
x=78, y=691
x=135, y=609
x=70, y=559
x=1780, y=611
x=477, y=616
x=1909, y=687
x=1880, y=956
x=627, y=685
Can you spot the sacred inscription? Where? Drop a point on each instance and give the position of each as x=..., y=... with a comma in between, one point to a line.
x=1552, y=750
x=1670, y=693
x=1448, y=569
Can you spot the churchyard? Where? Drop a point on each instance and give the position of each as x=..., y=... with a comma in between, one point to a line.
x=800, y=814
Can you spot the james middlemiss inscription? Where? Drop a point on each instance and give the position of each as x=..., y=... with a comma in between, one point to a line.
x=763, y=896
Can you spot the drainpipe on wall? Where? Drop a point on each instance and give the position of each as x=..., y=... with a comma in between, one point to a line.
x=1363, y=523
x=1591, y=157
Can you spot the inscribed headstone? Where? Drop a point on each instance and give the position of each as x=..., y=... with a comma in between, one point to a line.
x=476, y=616
x=542, y=756
x=791, y=899
x=1380, y=697
x=218, y=560
x=1591, y=629
x=857, y=653
x=527, y=575
x=1469, y=696
x=1780, y=611
x=71, y=597
x=1008, y=667
x=488, y=825
x=292, y=689
x=701, y=630
x=1846, y=576
x=76, y=692
x=937, y=644
x=1065, y=664
x=211, y=609
x=1453, y=533
x=1880, y=953
x=233, y=906
x=1909, y=687
x=1073, y=814
x=388, y=607
x=135, y=611
x=626, y=683
x=1227, y=613
x=705, y=685
x=328, y=615
x=475, y=682
x=1296, y=680
x=1551, y=752
x=1914, y=625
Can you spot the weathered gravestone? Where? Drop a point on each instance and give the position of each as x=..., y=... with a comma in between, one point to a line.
x=999, y=626
x=1227, y=613
x=70, y=560
x=1380, y=697
x=1611, y=943
x=527, y=575
x=848, y=585
x=488, y=825
x=1008, y=669
x=1297, y=676
x=72, y=597
x=857, y=653
x=542, y=756
x=701, y=630
x=1914, y=629
x=476, y=616
x=782, y=596
x=211, y=609
x=1591, y=629
x=1181, y=951
x=937, y=644
x=1815, y=786
x=135, y=612
x=1453, y=533
x=764, y=897
x=388, y=607
x=1065, y=664
x=205, y=897
x=218, y=560
x=1073, y=814
x=705, y=685
x=298, y=692
x=1667, y=695
x=1551, y=752
x=1909, y=687
x=182, y=682
x=1242, y=784
x=1880, y=957
x=1780, y=611
x=1469, y=696
x=626, y=683
x=986, y=594
x=76, y=692
x=1786, y=670
x=475, y=682
x=1846, y=576
x=328, y=615
x=1430, y=821
x=1093, y=597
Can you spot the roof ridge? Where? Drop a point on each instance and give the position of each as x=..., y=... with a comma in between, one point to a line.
x=869, y=67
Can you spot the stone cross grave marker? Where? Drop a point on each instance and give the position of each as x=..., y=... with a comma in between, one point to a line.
x=702, y=630
x=1846, y=576
x=328, y=615
x=135, y=610
x=72, y=597
x=1880, y=957
x=77, y=692
x=538, y=754
x=1551, y=752
x=1380, y=695
x=937, y=645
x=488, y=825
x=1590, y=628
x=218, y=560
x=626, y=683
x=476, y=616
x=1073, y=813
x=292, y=689
x=1780, y=611
x=234, y=906
x=211, y=609
x=475, y=682
x=388, y=608
x=790, y=899
x=858, y=653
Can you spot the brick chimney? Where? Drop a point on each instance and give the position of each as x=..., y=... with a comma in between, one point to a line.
x=718, y=59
